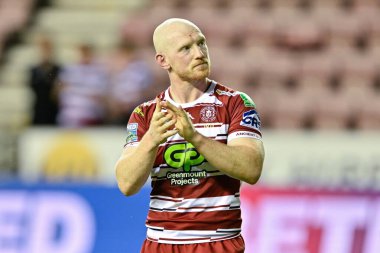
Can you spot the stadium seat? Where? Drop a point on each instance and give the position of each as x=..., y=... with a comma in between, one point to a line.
x=291, y=110
x=228, y=66
x=300, y=35
x=279, y=68
x=331, y=111
x=15, y=104
x=317, y=70
x=360, y=71
x=345, y=28
x=260, y=31
x=369, y=113
x=95, y=5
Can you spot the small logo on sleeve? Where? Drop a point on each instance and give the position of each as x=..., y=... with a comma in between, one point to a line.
x=138, y=111
x=132, y=132
x=251, y=119
x=248, y=102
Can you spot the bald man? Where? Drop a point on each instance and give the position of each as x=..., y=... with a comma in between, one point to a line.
x=198, y=140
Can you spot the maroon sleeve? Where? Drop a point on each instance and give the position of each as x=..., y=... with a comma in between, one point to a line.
x=245, y=120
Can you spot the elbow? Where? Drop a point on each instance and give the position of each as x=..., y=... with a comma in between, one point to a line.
x=126, y=190
x=255, y=174
x=253, y=179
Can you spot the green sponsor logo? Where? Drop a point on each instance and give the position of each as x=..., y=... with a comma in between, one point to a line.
x=183, y=155
x=248, y=102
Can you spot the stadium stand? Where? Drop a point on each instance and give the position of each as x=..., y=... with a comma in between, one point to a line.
x=307, y=64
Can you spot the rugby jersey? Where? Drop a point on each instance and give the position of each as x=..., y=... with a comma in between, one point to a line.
x=191, y=201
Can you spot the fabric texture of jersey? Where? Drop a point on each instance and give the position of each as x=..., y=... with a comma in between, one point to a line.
x=191, y=201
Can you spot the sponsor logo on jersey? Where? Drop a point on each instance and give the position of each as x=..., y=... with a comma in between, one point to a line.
x=184, y=156
x=138, y=111
x=248, y=134
x=132, y=132
x=251, y=119
x=208, y=114
x=248, y=102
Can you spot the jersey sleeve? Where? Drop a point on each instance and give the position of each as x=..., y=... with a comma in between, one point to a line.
x=136, y=128
x=245, y=120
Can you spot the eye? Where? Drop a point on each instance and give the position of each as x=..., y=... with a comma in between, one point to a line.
x=185, y=48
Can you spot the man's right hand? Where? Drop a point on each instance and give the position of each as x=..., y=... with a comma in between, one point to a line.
x=161, y=125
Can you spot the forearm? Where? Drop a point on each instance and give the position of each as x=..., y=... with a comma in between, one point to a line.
x=132, y=170
x=240, y=162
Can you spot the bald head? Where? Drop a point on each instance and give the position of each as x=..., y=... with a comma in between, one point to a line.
x=165, y=32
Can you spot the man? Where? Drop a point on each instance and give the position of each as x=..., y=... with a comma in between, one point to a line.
x=82, y=87
x=198, y=140
x=43, y=77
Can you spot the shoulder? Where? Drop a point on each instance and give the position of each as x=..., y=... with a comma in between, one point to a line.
x=227, y=94
x=147, y=108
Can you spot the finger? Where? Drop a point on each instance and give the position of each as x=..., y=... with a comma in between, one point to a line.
x=171, y=107
x=158, y=105
x=181, y=110
x=158, y=115
x=164, y=119
x=170, y=133
x=167, y=125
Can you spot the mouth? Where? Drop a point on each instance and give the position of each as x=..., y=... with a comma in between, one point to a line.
x=201, y=64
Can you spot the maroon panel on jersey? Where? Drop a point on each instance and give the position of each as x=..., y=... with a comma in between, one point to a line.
x=195, y=220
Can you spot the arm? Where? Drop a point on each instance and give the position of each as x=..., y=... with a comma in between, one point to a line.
x=134, y=166
x=241, y=158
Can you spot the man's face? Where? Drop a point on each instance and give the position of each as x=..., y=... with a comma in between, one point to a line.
x=187, y=53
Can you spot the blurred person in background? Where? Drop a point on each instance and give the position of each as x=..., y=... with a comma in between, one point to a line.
x=82, y=89
x=42, y=80
x=130, y=82
x=198, y=140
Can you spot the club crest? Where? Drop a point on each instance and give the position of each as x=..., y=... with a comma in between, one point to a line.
x=208, y=114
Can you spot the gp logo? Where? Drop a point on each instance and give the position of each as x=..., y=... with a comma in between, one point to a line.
x=183, y=155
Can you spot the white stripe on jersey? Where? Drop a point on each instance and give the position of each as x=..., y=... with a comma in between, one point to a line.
x=217, y=133
x=195, y=205
x=206, y=98
x=243, y=134
x=162, y=235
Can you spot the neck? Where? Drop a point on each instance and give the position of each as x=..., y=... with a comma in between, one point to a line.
x=185, y=92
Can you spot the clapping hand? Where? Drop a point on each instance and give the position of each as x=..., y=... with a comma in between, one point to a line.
x=161, y=125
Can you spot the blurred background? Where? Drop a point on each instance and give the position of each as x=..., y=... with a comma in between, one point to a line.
x=71, y=72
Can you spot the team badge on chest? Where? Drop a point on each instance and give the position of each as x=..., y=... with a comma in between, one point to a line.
x=208, y=114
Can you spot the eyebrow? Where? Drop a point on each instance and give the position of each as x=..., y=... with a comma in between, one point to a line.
x=186, y=43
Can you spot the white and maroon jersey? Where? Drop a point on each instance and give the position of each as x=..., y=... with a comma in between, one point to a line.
x=191, y=201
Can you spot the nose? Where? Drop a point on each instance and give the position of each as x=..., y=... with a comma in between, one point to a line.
x=199, y=52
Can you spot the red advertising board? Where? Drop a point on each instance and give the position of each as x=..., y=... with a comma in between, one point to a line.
x=310, y=221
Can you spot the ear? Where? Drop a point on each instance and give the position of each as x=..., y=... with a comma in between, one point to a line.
x=161, y=60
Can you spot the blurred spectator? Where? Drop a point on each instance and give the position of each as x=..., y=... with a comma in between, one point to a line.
x=130, y=79
x=43, y=76
x=82, y=91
